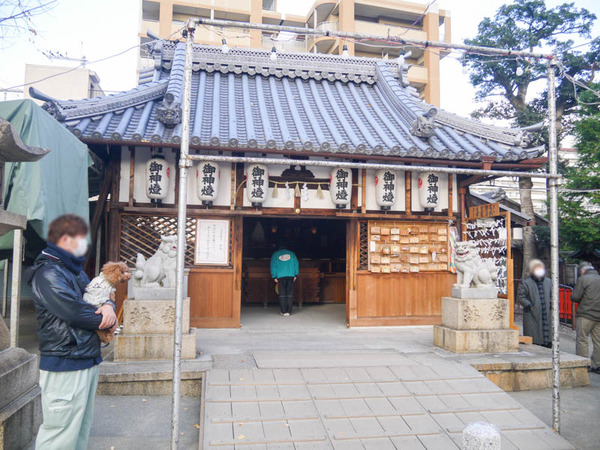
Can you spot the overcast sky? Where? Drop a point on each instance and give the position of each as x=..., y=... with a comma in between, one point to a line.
x=98, y=29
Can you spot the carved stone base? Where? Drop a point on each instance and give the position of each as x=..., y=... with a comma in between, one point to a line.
x=476, y=314
x=476, y=341
x=475, y=292
x=149, y=347
x=148, y=327
x=476, y=325
x=153, y=316
x=20, y=398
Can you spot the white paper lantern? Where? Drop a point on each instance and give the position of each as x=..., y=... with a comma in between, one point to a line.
x=385, y=188
x=208, y=176
x=257, y=183
x=340, y=187
x=157, y=178
x=429, y=190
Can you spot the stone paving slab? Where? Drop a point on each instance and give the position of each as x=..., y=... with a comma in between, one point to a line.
x=295, y=359
x=404, y=404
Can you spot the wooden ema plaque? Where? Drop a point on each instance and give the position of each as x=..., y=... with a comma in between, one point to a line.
x=408, y=247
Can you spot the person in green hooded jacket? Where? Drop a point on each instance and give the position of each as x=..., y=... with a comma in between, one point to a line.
x=284, y=270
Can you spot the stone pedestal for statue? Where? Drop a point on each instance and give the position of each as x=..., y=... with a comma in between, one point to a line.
x=476, y=325
x=148, y=322
x=20, y=395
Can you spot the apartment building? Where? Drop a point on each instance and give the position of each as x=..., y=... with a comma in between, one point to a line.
x=381, y=17
x=71, y=84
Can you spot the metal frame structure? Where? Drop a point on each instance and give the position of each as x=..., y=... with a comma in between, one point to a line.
x=186, y=159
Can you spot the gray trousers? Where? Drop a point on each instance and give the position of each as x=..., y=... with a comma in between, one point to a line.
x=68, y=409
x=585, y=329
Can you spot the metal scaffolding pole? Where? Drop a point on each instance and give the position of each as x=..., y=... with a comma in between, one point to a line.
x=554, y=266
x=364, y=36
x=373, y=166
x=184, y=164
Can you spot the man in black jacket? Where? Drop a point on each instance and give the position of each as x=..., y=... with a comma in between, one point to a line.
x=587, y=294
x=69, y=344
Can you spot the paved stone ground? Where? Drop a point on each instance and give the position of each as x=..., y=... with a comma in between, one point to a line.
x=420, y=402
x=127, y=424
x=142, y=423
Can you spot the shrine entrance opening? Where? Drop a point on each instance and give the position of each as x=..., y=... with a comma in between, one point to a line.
x=319, y=245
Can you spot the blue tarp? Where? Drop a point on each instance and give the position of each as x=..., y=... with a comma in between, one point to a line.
x=58, y=183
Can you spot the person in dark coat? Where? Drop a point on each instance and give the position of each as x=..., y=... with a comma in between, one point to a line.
x=587, y=294
x=69, y=344
x=534, y=296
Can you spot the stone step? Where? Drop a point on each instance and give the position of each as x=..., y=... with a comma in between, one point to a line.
x=150, y=378
x=19, y=371
x=20, y=420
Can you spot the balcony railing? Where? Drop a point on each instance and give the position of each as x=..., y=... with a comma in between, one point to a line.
x=323, y=26
x=286, y=45
x=383, y=29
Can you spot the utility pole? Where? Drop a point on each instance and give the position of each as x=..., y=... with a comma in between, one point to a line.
x=184, y=164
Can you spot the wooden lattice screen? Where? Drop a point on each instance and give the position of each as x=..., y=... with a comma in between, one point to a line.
x=141, y=234
x=363, y=239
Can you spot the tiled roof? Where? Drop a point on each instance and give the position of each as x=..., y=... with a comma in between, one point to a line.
x=300, y=101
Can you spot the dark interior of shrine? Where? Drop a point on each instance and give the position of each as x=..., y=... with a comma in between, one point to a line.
x=319, y=245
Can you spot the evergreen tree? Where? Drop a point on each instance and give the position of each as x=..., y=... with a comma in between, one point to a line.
x=531, y=26
x=580, y=210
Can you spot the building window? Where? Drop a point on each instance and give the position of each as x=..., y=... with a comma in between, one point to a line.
x=268, y=5
x=150, y=11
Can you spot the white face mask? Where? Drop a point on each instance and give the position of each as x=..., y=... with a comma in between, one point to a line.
x=539, y=272
x=81, y=249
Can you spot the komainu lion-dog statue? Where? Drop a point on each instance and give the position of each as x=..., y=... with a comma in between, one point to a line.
x=471, y=270
x=159, y=269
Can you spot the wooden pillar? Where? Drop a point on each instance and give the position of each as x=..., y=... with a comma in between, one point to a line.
x=450, y=193
x=354, y=191
x=363, y=204
x=131, y=173
x=238, y=231
x=113, y=215
x=239, y=179
x=463, y=212
x=232, y=188
x=352, y=243
x=407, y=193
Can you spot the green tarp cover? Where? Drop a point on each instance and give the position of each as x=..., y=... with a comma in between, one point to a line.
x=58, y=183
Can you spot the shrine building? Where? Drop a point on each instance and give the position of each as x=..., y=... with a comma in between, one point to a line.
x=378, y=241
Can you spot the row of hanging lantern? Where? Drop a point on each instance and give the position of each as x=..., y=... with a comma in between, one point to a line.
x=208, y=176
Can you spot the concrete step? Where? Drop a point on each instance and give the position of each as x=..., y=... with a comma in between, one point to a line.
x=150, y=378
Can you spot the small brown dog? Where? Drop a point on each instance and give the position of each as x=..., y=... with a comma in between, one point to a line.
x=102, y=288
